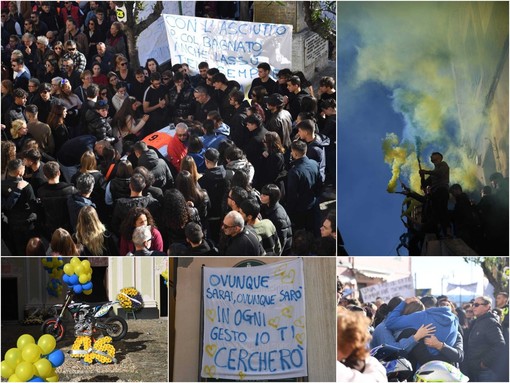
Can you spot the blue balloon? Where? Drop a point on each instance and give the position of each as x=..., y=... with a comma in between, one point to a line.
x=73, y=279
x=87, y=286
x=36, y=379
x=65, y=278
x=56, y=358
x=77, y=289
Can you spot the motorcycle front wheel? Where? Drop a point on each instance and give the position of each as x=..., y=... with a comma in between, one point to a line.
x=116, y=327
x=56, y=330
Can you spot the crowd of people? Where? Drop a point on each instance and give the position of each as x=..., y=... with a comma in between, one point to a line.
x=100, y=157
x=448, y=212
x=472, y=338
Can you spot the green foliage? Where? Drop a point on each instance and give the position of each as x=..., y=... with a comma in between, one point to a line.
x=495, y=270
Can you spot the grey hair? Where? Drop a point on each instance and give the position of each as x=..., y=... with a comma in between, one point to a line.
x=141, y=234
x=237, y=218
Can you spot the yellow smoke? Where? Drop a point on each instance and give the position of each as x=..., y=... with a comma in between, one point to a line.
x=439, y=60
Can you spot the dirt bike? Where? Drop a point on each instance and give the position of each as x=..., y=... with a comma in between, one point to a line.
x=89, y=320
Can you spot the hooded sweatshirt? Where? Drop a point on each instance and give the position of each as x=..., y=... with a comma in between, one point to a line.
x=158, y=167
x=442, y=318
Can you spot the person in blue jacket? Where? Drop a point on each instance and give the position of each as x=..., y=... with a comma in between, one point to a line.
x=443, y=319
x=383, y=336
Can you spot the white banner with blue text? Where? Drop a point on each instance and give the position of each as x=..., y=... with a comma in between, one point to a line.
x=234, y=47
x=254, y=322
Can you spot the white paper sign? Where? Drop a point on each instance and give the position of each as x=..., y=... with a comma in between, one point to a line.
x=401, y=287
x=152, y=42
x=234, y=47
x=254, y=322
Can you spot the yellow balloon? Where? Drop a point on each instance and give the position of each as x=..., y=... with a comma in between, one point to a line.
x=68, y=269
x=47, y=343
x=44, y=368
x=83, y=278
x=86, y=265
x=25, y=371
x=31, y=353
x=52, y=378
x=87, y=292
x=7, y=370
x=13, y=357
x=24, y=340
x=14, y=378
x=75, y=261
x=78, y=270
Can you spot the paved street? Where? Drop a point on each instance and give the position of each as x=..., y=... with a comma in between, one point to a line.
x=142, y=356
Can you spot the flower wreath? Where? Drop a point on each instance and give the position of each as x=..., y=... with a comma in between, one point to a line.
x=130, y=299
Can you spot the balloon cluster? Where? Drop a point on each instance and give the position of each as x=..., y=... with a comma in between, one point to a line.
x=102, y=352
x=77, y=275
x=31, y=362
x=164, y=274
x=129, y=298
x=54, y=266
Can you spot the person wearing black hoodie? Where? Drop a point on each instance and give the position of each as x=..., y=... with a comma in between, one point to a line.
x=272, y=210
x=214, y=181
x=149, y=158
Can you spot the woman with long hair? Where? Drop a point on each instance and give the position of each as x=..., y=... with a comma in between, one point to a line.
x=98, y=77
x=111, y=158
x=118, y=187
x=273, y=163
x=58, y=53
x=113, y=79
x=188, y=163
x=178, y=214
x=7, y=95
x=62, y=244
x=56, y=121
x=138, y=216
x=94, y=36
x=257, y=100
x=88, y=164
x=192, y=193
x=115, y=39
x=125, y=123
x=120, y=95
x=152, y=66
x=92, y=235
x=8, y=153
x=50, y=70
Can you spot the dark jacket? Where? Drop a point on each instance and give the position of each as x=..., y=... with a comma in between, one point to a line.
x=214, y=182
x=18, y=205
x=281, y=221
x=303, y=185
x=238, y=131
x=97, y=125
x=54, y=202
x=245, y=243
x=158, y=167
x=180, y=104
x=119, y=188
x=485, y=344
